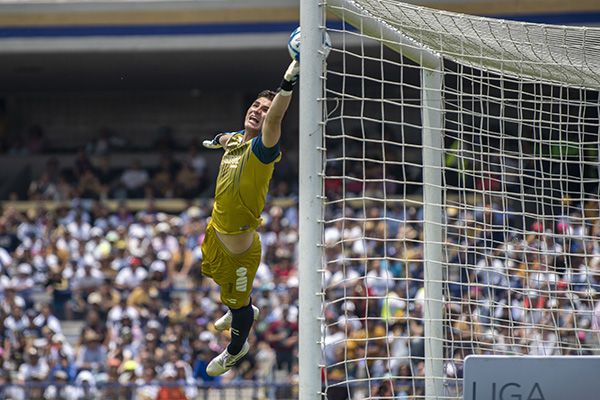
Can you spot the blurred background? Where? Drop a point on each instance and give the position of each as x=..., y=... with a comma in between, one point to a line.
x=118, y=83
x=105, y=190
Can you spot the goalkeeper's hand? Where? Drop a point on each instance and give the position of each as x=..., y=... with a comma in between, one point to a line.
x=214, y=143
x=290, y=78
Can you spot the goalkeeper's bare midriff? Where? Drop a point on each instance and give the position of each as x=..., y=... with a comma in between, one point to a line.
x=236, y=244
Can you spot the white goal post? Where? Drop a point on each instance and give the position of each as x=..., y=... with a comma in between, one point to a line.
x=449, y=196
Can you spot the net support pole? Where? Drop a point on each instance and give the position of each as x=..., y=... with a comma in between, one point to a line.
x=432, y=120
x=310, y=179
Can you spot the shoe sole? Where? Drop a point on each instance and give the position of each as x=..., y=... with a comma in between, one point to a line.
x=239, y=356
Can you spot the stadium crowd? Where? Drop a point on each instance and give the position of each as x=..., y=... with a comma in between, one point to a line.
x=535, y=291
x=181, y=169
x=134, y=281
x=133, y=278
x=94, y=177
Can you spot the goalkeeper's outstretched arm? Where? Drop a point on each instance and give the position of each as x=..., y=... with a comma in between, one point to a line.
x=219, y=141
x=271, y=131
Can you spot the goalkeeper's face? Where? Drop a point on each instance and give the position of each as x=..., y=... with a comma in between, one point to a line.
x=255, y=116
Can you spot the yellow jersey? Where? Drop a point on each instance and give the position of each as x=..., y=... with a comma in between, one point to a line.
x=242, y=186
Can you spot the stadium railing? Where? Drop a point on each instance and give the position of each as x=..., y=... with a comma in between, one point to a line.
x=200, y=391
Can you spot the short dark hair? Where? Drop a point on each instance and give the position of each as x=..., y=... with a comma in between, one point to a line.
x=268, y=94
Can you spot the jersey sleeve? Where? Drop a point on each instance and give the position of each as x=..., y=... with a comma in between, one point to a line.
x=266, y=155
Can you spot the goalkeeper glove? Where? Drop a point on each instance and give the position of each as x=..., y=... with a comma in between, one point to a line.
x=214, y=143
x=290, y=78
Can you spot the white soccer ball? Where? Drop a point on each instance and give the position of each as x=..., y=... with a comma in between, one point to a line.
x=294, y=44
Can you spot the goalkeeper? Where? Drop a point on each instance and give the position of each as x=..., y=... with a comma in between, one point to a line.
x=231, y=248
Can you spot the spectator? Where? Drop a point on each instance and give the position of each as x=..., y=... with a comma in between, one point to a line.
x=134, y=180
x=185, y=378
x=45, y=319
x=163, y=178
x=8, y=242
x=138, y=242
x=141, y=296
x=169, y=391
x=46, y=186
x=147, y=385
x=91, y=355
x=111, y=385
x=105, y=142
x=131, y=275
x=282, y=335
x=59, y=389
x=84, y=387
x=122, y=217
x=194, y=235
x=103, y=299
x=82, y=163
x=153, y=347
x=64, y=190
x=106, y=175
x=22, y=283
x=87, y=277
x=64, y=360
x=8, y=390
x=79, y=228
x=165, y=241
x=11, y=301
x=127, y=317
x=196, y=160
x=94, y=323
x=127, y=378
x=204, y=348
x=89, y=186
x=187, y=182
x=35, y=367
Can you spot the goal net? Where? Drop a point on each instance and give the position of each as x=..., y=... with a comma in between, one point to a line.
x=461, y=196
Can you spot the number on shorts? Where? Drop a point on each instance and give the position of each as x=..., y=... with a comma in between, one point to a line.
x=241, y=283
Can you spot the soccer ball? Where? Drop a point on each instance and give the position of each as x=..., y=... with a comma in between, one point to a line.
x=294, y=44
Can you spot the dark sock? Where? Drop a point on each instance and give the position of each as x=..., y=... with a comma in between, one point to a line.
x=242, y=321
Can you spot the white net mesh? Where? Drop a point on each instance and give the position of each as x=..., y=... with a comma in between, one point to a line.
x=564, y=55
x=521, y=254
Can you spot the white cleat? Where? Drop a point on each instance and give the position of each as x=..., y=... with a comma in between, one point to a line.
x=225, y=361
x=224, y=323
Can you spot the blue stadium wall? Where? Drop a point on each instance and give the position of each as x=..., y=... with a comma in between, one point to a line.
x=21, y=20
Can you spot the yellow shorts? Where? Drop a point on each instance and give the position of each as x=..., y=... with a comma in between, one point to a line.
x=234, y=273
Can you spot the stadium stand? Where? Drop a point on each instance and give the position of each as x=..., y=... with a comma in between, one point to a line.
x=132, y=279
x=104, y=208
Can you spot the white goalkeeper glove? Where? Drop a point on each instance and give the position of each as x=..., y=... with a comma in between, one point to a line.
x=290, y=78
x=214, y=143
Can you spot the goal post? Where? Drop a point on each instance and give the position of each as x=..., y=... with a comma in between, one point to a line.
x=455, y=166
x=312, y=17
x=432, y=117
